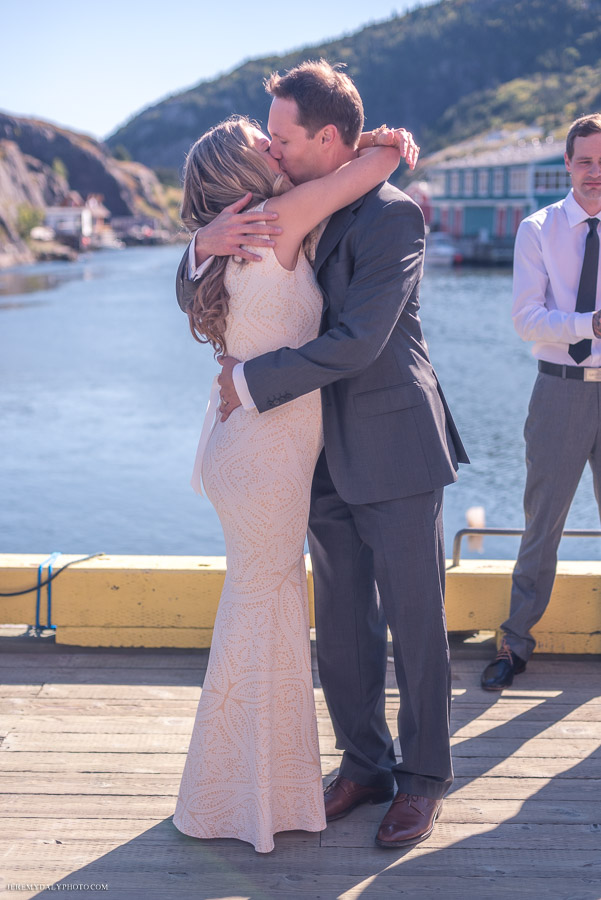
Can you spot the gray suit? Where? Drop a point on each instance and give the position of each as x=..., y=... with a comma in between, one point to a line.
x=376, y=508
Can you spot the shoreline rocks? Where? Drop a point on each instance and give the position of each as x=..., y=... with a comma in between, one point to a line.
x=42, y=164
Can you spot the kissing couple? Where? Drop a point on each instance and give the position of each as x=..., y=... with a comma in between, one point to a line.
x=327, y=419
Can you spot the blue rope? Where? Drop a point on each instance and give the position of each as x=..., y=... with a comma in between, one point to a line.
x=47, y=562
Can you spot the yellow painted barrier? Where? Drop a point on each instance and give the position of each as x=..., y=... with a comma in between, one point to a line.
x=171, y=601
x=478, y=593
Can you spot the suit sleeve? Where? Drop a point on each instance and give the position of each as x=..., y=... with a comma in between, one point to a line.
x=388, y=265
x=184, y=288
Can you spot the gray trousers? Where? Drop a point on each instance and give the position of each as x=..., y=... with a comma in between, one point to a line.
x=562, y=433
x=397, y=545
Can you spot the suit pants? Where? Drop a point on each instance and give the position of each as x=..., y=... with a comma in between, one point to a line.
x=562, y=433
x=377, y=564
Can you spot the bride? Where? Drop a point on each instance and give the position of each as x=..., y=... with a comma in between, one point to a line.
x=253, y=766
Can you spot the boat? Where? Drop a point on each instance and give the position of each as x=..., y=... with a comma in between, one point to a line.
x=441, y=250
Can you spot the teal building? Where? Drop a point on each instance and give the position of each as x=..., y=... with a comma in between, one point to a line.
x=484, y=197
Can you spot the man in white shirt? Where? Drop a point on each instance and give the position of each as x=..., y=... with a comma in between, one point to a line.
x=556, y=300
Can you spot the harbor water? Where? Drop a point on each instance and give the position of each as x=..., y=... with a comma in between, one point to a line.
x=103, y=392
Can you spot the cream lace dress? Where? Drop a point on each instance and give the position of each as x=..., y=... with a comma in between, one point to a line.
x=253, y=766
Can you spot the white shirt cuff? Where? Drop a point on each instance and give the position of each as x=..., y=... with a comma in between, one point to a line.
x=584, y=325
x=194, y=273
x=242, y=388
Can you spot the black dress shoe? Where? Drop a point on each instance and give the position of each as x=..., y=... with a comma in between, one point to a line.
x=499, y=673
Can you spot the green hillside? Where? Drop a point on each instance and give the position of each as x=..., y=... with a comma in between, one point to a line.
x=446, y=71
x=549, y=100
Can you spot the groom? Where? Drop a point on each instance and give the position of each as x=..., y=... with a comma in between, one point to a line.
x=375, y=527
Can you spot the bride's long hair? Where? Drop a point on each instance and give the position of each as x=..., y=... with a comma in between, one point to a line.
x=221, y=167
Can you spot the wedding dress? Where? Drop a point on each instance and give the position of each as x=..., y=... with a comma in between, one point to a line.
x=253, y=766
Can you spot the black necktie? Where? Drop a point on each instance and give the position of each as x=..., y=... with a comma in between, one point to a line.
x=587, y=288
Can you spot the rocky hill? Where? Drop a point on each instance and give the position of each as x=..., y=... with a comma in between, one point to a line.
x=40, y=163
x=447, y=71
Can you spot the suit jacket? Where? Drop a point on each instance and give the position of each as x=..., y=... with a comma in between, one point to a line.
x=388, y=432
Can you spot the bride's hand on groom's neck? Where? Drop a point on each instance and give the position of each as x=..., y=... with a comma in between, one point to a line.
x=394, y=137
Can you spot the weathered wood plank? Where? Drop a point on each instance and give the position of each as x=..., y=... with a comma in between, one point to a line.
x=517, y=767
x=19, y=690
x=456, y=810
x=109, y=724
x=471, y=692
x=82, y=784
x=533, y=811
x=46, y=806
x=161, y=847
x=165, y=763
x=484, y=747
x=123, y=724
x=141, y=763
x=58, y=683
x=355, y=832
x=72, y=724
x=53, y=743
x=120, y=691
x=465, y=660
x=493, y=746
x=117, y=689
x=541, y=678
x=536, y=747
x=62, y=657
x=497, y=767
x=529, y=730
x=527, y=712
x=509, y=697
x=573, y=668
x=326, y=886
x=93, y=708
x=66, y=677
x=524, y=788
x=352, y=832
x=462, y=714
x=166, y=785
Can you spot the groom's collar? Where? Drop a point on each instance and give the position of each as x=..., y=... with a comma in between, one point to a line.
x=338, y=224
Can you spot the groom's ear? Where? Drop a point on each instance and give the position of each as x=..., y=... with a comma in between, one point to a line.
x=328, y=135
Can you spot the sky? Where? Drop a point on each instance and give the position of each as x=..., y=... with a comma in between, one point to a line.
x=90, y=66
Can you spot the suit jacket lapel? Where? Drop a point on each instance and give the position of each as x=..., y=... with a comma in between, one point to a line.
x=334, y=231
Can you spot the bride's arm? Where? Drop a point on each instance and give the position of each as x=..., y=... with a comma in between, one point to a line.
x=303, y=207
x=234, y=230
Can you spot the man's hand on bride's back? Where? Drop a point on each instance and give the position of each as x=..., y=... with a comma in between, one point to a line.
x=228, y=396
x=227, y=232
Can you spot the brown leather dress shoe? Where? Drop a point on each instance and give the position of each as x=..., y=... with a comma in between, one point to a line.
x=409, y=820
x=343, y=795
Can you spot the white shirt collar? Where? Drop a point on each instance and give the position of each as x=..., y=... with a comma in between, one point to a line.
x=574, y=212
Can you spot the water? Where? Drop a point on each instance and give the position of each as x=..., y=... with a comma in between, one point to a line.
x=103, y=391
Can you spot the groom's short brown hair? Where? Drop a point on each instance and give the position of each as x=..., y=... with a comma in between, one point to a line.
x=324, y=96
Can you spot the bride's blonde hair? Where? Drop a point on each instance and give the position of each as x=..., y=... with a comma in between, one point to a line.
x=221, y=167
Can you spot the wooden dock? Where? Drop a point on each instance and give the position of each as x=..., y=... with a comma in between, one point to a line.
x=92, y=745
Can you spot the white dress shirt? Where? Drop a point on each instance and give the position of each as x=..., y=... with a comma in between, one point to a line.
x=549, y=250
